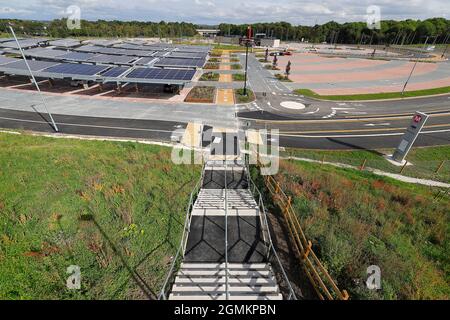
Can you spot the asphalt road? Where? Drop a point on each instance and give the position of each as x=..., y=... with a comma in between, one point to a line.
x=91, y=126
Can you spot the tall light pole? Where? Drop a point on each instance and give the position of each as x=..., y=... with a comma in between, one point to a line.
x=248, y=41
x=55, y=127
x=413, y=68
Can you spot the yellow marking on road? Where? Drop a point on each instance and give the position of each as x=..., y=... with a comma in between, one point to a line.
x=225, y=96
x=254, y=137
x=192, y=135
x=361, y=130
x=225, y=78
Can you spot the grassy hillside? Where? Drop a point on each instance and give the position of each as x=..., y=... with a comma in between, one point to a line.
x=425, y=161
x=356, y=219
x=114, y=209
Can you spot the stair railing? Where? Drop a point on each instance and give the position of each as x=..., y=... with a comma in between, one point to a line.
x=183, y=242
x=226, y=233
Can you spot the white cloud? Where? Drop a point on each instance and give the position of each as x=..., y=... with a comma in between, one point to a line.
x=234, y=11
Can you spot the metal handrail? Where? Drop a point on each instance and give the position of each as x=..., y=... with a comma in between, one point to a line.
x=183, y=242
x=227, y=293
x=270, y=247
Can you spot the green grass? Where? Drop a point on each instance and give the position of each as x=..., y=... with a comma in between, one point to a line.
x=425, y=160
x=238, y=77
x=236, y=66
x=374, y=96
x=210, y=76
x=356, y=219
x=107, y=207
x=241, y=98
x=228, y=47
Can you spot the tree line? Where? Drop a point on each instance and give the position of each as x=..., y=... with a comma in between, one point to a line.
x=391, y=32
x=101, y=28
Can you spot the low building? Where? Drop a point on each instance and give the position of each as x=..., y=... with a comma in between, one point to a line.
x=208, y=33
x=269, y=42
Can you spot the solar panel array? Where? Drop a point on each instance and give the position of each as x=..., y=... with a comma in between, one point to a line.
x=144, y=61
x=113, y=59
x=24, y=43
x=179, y=62
x=115, y=72
x=44, y=53
x=34, y=65
x=65, y=43
x=5, y=60
x=162, y=74
x=79, y=69
x=77, y=56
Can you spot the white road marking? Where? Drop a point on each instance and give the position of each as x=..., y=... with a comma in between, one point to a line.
x=377, y=124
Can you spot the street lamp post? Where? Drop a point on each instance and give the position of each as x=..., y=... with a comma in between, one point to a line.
x=55, y=127
x=246, y=67
x=248, y=42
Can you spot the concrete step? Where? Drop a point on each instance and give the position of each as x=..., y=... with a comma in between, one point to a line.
x=221, y=272
x=222, y=280
x=222, y=296
x=263, y=266
x=221, y=288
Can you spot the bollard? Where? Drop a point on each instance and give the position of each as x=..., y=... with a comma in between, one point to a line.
x=323, y=159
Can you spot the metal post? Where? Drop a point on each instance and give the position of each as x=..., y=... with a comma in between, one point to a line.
x=226, y=234
x=246, y=68
x=446, y=47
x=55, y=127
x=413, y=68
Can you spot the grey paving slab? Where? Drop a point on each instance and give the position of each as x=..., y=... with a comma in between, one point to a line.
x=215, y=179
x=206, y=242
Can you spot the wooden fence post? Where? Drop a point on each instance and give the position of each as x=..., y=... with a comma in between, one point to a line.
x=440, y=167
x=363, y=164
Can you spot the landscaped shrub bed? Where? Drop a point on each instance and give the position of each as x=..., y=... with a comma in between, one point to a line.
x=212, y=66
x=238, y=77
x=241, y=98
x=210, y=76
x=201, y=94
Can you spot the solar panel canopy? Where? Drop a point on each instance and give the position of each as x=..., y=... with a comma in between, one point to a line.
x=107, y=58
x=179, y=62
x=161, y=74
x=78, y=69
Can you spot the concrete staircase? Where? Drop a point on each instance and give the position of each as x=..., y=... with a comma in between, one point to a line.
x=206, y=281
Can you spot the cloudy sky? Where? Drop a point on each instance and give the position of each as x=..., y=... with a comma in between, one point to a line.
x=233, y=11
